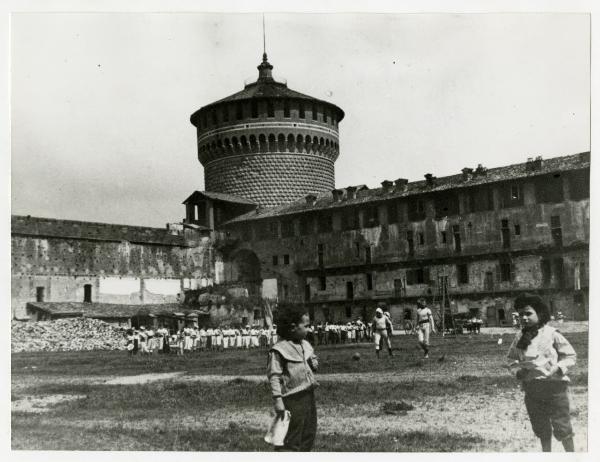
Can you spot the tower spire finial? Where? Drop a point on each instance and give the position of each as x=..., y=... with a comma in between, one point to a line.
x=264, y=68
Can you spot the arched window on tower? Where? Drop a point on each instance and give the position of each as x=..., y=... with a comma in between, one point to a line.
x=286, y=108
x=270, y=109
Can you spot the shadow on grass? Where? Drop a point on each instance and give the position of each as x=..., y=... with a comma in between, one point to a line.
x=64, y=437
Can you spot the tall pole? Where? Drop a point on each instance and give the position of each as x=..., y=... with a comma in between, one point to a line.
x=443, y=306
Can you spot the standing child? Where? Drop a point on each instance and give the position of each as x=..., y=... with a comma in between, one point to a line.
x=424, y=326
x=290, y=371
x=380, y=328
x=542, y=356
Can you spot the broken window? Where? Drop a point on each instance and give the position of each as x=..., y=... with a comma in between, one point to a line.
x=286, y=259
x=274, y=229
x=457, y=241
x=488, y=281
x=416, y=209
x=512, y=195
x=307, y=292
x=505, y=232
x=368, y=254
x=579, y=185
x=306, y=225
x=505, y=272
x=549, y=189
x=446, y=204
x=325, y=222
x=421, y=237
x=349, y=290
x=556, y=230
x=320, y=253
x=275, y=260
x=417, y=276
x=399, y=289
x=350, y=219
x=369, y=281
x=411, y=243
x=546, y=269
x=444, y=237
x=517, y=230
x=392, y=212
x=462, y=271
x=322, y=283
x=481, y=199
x=371, y=217
x=357, y=249
x=287, y=228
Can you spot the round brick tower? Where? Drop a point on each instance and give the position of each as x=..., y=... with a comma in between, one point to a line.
x=268, y=143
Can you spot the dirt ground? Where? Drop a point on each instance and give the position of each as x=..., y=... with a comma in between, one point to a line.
x=464, y=400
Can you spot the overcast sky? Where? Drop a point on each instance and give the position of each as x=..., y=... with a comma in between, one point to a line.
x=101, y=102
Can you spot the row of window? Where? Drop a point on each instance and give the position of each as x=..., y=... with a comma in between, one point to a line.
x=270, y=142
x=475, y=200
x=40, y=293
x=286, y=260
x=552, y=269
x=266, y=108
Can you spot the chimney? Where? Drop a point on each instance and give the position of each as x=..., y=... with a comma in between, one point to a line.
x=351, y=192
x=481, y=170
x=467, y=173
x=338, y=194
x=311, y=199
x=537, y=163
x=401, y=184
x=430, y=179
x=388, y=186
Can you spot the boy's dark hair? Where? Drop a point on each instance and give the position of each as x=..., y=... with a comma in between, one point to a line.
x=535, y=302
x=422, y=302
x=287, y=317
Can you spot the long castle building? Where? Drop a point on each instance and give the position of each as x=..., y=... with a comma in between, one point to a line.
x=272, y=223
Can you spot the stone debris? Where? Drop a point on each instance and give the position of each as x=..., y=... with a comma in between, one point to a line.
x=71, y=334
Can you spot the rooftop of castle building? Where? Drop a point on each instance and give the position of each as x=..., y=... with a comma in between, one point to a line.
x=474, y=177
x=70, y=229
x=266, y=87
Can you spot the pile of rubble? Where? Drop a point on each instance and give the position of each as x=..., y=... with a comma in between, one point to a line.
x=71, y=334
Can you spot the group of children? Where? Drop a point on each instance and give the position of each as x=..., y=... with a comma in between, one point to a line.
x=539, y=353
x=189, y=339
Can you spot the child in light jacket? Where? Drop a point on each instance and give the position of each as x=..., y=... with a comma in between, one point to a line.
x=290, y=371
x=542, y=357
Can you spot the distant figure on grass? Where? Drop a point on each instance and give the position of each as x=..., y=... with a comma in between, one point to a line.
x=542, y=356
x=424, y=326
x=290, y=371
x=381, y=324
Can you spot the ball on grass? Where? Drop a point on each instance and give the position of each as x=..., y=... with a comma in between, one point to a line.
x=500, y=341
x=356, y=356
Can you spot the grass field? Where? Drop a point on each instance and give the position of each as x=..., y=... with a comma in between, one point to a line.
x=464, y=400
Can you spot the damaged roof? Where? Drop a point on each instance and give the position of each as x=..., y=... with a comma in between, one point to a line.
x=217, y=196
x=493, y=175
x=70, y=229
